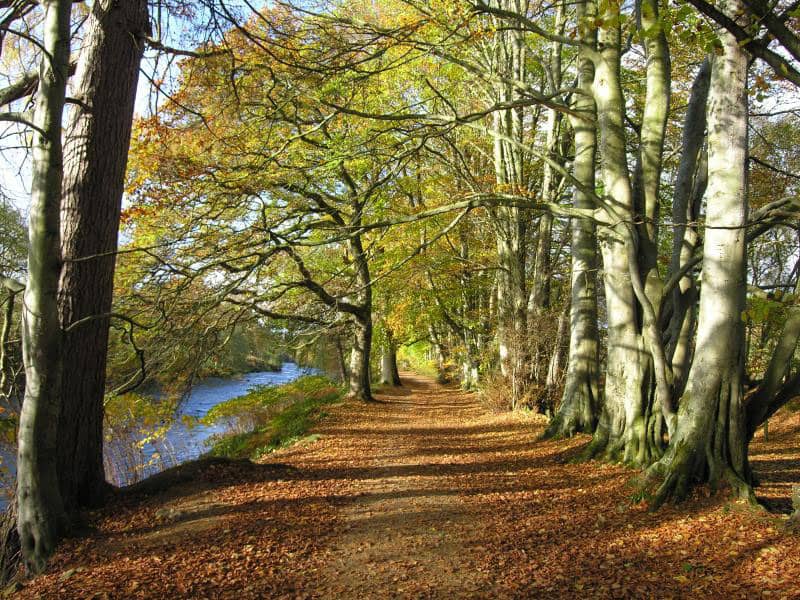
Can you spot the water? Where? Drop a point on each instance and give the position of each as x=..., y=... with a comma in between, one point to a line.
x=187, y=441
x=182, y=442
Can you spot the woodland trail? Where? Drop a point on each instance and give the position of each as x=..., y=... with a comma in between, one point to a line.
x=426, y=494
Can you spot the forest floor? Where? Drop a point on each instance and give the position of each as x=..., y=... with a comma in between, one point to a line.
x=426, y=494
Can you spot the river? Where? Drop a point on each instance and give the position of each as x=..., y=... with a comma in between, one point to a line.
x=183, y=441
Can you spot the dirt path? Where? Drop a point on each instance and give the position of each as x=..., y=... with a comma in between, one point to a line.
x=426, y=495
x=409, y=531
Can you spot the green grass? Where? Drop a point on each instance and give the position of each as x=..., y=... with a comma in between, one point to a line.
x=302, y=401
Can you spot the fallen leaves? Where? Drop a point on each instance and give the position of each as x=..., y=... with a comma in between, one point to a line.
x=428, y=496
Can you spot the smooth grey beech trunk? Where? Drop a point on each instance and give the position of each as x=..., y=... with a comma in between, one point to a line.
x=580, y=404
x=638, y=403
x=539, y=298
x=7, y=375
x=710, y=443
x=510, y=224
x=626, y=430
x=690, y=185
x=440, y=353
x=647, y=282
x=360, y=380
x=41, y=515
x=95, y=157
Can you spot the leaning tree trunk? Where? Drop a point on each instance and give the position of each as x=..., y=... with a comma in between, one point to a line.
x=96, y=155
x=710, y=443
x=580, y=403
x=41, y=515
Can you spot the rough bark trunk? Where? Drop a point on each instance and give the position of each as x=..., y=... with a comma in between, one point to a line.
x=580, y=403
x=710, y=443
x=340, y=361
x=42, y=519
x=6, y=369
x=96, y=155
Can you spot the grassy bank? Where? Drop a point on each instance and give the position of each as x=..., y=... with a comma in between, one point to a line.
x=271, y=417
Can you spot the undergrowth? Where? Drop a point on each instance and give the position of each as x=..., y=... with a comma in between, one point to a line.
x=271, y=417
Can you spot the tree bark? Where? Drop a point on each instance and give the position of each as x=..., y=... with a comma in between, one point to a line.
x=580, y=403
x=710, y=443
x=390, y=375
x=628, y=429
x=42, y=519
x=690, y=185
x=510, y=223
x=6, y=369
x=340, y=361
x=96, y=155
x=539, y=299
x=360, y=386
x=648, y=285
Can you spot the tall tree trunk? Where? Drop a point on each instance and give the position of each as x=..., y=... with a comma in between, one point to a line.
x=340, y=361
x=580, y=403
x=42, y=519
x=96, y=155
x=510, y=223
x=360, y=386
x=390, y=375
x=690, y=185
x=648, y=285
x=540, y=285
x=554, y=366
x=440, y=353
x=626, y=430
x=710, y=443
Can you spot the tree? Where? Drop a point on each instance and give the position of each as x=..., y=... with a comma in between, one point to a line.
x=710, y=442
x=580, y=405
x=42, y=519
x=96, y=152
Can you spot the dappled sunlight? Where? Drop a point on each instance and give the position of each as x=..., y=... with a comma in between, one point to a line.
x=428, y=494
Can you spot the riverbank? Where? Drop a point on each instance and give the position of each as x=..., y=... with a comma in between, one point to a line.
x=170, y=438
x=426, y=494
